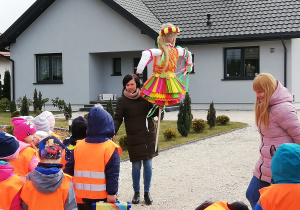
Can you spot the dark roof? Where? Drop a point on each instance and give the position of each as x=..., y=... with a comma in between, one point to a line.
x=231, y=20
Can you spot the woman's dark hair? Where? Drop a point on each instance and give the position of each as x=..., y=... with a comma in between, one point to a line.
x=232, y=206
x=129, y=77
x=204, y=205
x=238, y=206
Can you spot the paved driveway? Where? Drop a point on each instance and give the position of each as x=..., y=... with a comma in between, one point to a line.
x=216, y=168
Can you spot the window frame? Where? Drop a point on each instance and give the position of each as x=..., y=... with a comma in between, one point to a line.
x=242, y=75
x=116, y=66
x=50, y=81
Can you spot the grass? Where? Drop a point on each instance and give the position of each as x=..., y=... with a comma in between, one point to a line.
x=5, y=119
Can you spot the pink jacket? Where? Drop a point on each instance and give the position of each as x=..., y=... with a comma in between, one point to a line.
x=284, y=127
x=6, y=171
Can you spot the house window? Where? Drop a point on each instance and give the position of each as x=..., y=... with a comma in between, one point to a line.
x=117, y=66
x=241, y=63
x=49, y=68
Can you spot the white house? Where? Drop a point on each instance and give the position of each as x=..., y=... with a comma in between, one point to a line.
x=78, y=49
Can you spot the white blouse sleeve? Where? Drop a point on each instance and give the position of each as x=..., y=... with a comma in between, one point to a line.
x=181, y=52
x=146, y=55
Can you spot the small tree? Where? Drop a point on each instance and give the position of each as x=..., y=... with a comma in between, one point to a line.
x=25, y=107
x=211, y=115
x=185, y=118
x=12, y=107
x=38, y=101
x=110, y=109
x=68, y=111
x=6, y=85
x=1, y=91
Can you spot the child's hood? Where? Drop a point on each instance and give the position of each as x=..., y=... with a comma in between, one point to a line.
x=285, y=164
x=6, y=170
x=23, y=145
x=46, y=181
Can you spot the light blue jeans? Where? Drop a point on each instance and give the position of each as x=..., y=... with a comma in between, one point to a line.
x=136, y=174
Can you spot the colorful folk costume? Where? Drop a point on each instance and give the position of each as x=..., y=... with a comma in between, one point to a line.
x=163, y=87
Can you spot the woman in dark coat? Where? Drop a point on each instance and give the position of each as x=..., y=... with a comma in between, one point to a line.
x=140, y=132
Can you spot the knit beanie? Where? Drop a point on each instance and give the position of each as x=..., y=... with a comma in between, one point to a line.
x=42, y=123
x=51, y=148
x=38, y=136
x=79, y=126
x=9, y=146
x=23, y=128
x=50, y=117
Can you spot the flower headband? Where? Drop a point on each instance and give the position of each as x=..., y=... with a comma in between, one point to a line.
x=169, y=30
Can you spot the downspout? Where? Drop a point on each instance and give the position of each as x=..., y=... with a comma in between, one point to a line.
x=285, y=57
x=12, y=76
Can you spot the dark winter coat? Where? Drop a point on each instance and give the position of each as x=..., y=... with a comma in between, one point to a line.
x=140, y=140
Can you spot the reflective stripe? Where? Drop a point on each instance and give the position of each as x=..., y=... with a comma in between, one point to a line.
x=90, y=187
x=23, y=178
x=89, y=174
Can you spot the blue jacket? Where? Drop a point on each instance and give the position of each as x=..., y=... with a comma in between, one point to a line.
x=100, y=129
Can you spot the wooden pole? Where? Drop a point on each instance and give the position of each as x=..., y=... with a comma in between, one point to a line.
x=157, y=130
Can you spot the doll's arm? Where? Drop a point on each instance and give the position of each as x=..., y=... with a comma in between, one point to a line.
x=182, y=52
x=146, y=56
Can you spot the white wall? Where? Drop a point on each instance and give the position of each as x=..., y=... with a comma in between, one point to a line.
x=295, y=69
x=207, y=83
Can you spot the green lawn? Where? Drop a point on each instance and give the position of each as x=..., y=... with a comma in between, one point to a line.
x=5, y=119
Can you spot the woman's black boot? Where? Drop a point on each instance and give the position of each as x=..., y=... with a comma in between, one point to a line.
x=148, y=198
x=136, y=197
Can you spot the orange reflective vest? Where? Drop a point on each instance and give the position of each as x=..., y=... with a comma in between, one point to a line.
x=90, y=161
x=220, y=205
x=56, y=200
x=21, y=163
x=8, y=190
x=280, y=197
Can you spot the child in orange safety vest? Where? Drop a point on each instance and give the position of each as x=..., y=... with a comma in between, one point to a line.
x=10, y=183
x=95, y=162
x=27, y=160
x=47, y=187
x=284, y=191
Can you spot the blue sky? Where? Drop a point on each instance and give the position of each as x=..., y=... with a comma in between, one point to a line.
x=11, y=10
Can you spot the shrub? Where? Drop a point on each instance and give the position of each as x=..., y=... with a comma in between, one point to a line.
x=123, y=142
x=170, y=134
x=6, y=85
x=222, y=119
x=12, y=107
x=211, y=115
x=184, y=121
x=10, y=129
x=25, y=107
x=68, y=111
x=198, y=125
x=4, y=104
x=38, y=102
x=86, y=116
x=16, y=114
x=110, y=109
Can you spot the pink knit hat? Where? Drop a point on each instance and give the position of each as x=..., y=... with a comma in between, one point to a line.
x=23, y=128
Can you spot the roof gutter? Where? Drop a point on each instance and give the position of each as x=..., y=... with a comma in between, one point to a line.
x=12, y=76
x=285, y=62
